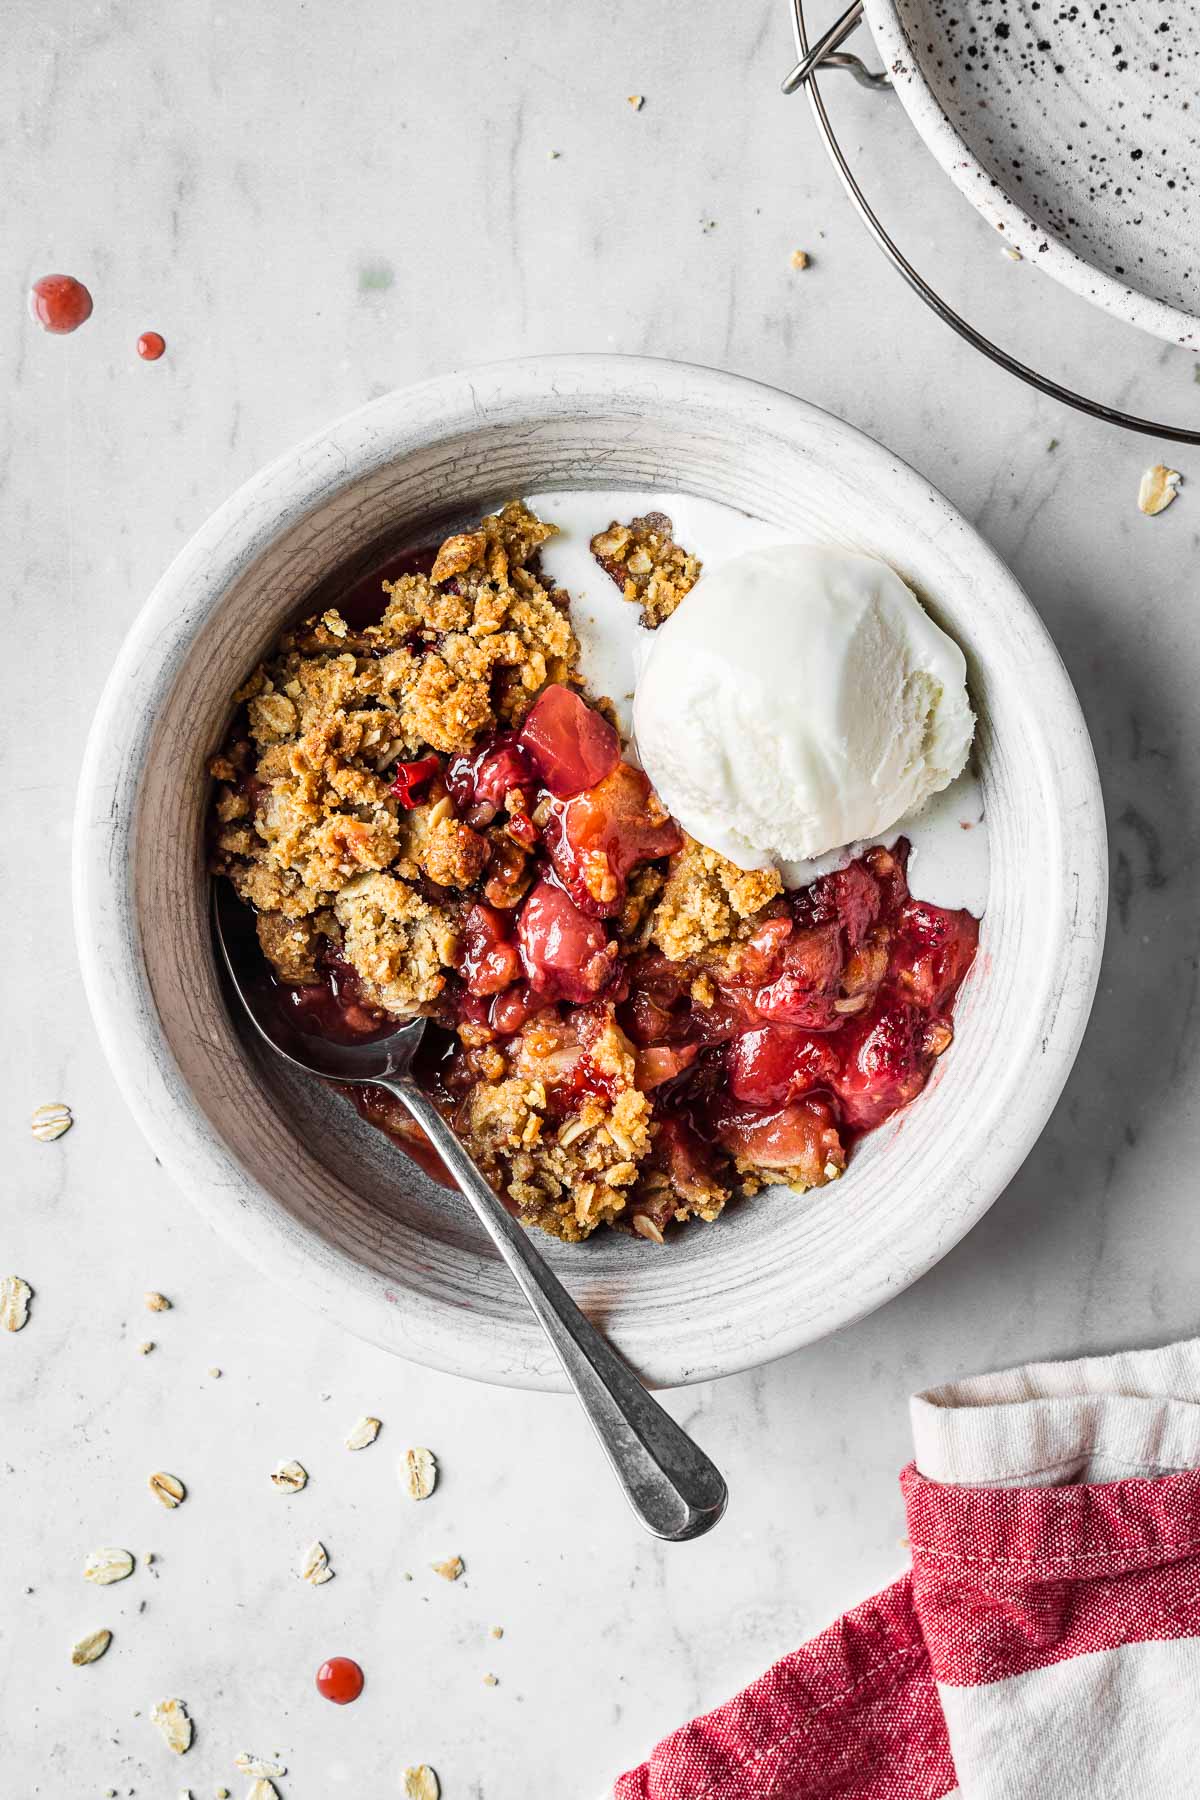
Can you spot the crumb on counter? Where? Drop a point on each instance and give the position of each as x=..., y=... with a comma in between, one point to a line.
x=51, y=1121
x=1157, y=488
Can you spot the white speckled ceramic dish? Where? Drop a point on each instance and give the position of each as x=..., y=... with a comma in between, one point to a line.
x=286, y=1169
x=1074, y=129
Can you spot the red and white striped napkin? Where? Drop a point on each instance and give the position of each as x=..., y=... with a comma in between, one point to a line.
x=1045, y=1644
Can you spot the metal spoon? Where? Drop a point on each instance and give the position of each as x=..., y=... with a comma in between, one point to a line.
x=674, y=1489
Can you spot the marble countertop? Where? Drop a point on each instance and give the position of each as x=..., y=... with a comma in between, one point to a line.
x=314, y=205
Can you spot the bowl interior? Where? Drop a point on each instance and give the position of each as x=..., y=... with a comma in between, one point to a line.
x=286, y=1168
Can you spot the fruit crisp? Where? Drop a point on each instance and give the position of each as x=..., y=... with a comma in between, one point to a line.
x=429, y=815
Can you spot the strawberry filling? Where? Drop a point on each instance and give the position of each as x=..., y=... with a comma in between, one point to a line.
x=770, y=1064
x=827, y=1022
x=488, y=957
x=800, y=1138
x=805, y=990
x=596, y=839
x=572, y=746
x=565, y=954
x=487, y=778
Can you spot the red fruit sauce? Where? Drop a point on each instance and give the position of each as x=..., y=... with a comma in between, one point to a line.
x=59, y=303
x=151, y=345
x=340, y=1680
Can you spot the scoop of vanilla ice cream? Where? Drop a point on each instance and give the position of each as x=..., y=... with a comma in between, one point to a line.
x=799, y=700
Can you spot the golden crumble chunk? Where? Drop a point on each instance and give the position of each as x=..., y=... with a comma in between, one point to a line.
x=647, y=565
x=707, y=902
x=450, y=853
x=399, y=943
x=293, y=947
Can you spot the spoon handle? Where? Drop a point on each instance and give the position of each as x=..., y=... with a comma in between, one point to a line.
x=671, y=1485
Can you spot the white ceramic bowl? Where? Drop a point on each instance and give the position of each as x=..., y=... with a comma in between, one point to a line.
x=325, y=1204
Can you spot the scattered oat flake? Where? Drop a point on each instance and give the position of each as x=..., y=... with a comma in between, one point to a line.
x=362, y=1434
x=146, y=1348
x=491, y=1681
x=222, y=1794
x=314, y=1565
x=799, y=259
x=172, y=1720
x=263, y=1790
x=1158, y=488
x=215, y=1373
x=1012, y=253
x=637, y=101
x=157, y=1302
x=105, y=1566
x=421, y=1783
x=168, y=1489
x=15, y=1296
x=50, y=1121
x=249, y=1764
x=450, y=1570
x=497, y=1631
x=289, y=1477
x=91, y=1648
x=421, y=1470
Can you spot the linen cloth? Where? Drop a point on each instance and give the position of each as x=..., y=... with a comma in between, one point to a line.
x=1045, y=1644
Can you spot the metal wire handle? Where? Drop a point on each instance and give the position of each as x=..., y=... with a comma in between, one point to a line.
x=825, y=53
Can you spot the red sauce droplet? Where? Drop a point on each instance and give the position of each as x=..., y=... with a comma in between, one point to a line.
x=340, y=1680
x=59, y=303
x=151, y=345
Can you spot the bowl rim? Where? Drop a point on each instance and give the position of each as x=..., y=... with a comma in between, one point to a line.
x=1040, y=247
x=114, y=972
